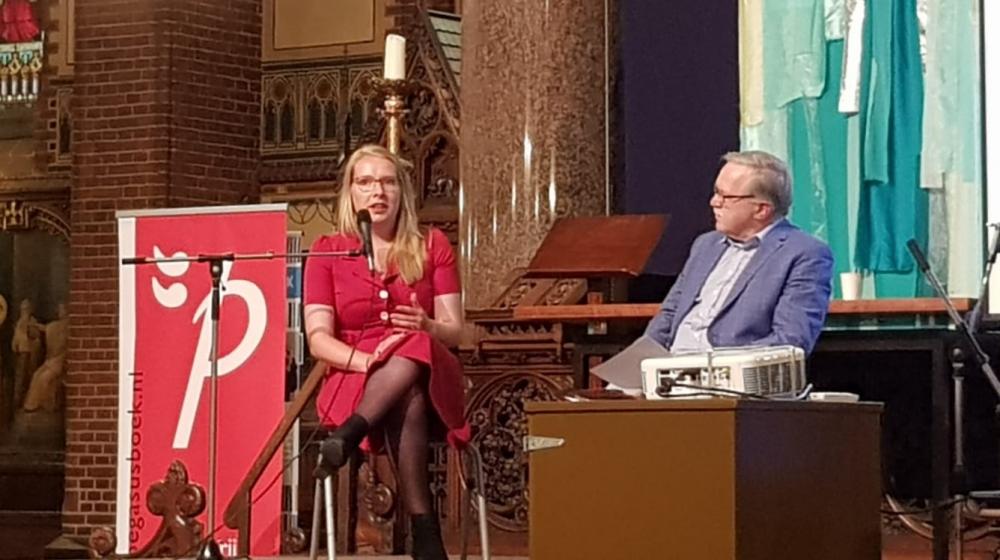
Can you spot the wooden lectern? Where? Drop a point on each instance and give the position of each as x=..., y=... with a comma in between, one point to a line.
x=582, y=260
x=598, y=246
x=704, y=479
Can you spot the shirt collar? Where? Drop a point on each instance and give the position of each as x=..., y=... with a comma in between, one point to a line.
x=754, y=241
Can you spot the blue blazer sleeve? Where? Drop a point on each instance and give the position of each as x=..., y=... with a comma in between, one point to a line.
x=804, y=300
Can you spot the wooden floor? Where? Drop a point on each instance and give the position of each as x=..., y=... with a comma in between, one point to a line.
x=25, y=542
x=895, y=547
x=912, y=547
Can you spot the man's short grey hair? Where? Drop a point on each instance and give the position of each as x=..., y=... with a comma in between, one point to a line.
x=773, y=183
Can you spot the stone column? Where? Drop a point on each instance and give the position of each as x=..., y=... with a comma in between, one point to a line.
x=533, y=138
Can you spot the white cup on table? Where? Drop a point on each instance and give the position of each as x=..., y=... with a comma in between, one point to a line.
x=850, y=285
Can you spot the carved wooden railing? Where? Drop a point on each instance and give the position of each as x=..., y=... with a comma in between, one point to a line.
x=178, y=502
x=237, y=514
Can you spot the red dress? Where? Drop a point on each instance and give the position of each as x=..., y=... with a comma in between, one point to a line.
x=362, y=304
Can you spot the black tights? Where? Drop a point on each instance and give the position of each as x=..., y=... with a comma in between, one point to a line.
x=395, y=397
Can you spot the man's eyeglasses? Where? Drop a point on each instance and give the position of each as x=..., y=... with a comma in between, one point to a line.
x=725, y=198
x=366, y=183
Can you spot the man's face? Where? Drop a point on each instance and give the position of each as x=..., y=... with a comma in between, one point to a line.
x=738, y=212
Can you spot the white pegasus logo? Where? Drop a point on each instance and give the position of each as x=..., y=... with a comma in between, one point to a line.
x=175, y=295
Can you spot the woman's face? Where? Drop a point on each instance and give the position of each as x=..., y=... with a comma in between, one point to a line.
x=375, y=187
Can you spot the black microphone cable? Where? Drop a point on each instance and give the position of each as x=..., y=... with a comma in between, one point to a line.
x=667, y=384
x=309, y=440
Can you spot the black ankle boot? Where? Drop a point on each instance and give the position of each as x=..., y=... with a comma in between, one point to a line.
x=427, y=543
x=336, y=449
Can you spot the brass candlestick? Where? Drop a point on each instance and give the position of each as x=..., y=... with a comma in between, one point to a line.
x=395, y=92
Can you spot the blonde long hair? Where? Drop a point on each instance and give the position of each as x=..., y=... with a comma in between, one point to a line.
x=408, y=250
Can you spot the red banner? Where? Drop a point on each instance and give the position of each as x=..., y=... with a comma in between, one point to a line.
x=164, y=372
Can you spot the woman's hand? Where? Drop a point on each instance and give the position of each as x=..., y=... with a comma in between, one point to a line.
x=411, y=317
x=385, y=343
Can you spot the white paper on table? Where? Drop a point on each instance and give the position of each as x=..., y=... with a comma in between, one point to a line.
x=624, y=369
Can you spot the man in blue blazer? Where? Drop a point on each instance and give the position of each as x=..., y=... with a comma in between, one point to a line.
x=756, y=279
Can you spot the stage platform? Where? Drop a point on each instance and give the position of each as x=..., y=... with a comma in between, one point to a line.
x=894, y=547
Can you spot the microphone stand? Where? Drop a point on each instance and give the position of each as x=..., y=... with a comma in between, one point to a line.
x=976, y=315
x=210, y=548
x=958, y=378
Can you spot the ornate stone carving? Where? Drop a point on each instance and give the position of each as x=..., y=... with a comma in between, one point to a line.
x=498, y=422
x=302, y=212
x=364, y=101
x=18, y=216
x=102, y=542
x=436, y=75
x=306, y=110
x=63, y=127
x=14, y=216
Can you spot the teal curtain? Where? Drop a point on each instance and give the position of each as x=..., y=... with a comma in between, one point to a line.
x=818, y=162
x=892, y=206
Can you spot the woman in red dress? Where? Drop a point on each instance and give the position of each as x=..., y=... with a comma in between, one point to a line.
x=385, y=334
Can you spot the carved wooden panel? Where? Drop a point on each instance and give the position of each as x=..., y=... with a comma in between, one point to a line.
x=496, y=414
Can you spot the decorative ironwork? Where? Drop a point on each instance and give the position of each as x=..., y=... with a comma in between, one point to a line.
x=498, y=422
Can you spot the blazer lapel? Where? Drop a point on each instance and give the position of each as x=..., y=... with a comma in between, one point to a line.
x=699, y=274
x=768, y=246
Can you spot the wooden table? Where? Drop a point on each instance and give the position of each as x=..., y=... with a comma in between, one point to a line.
x=872, y=326
x=705, y=479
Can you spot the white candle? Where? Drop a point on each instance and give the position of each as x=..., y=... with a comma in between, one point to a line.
x=395, y=57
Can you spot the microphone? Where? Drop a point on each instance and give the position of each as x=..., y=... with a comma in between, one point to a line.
x=365, y=227
x=918, y=255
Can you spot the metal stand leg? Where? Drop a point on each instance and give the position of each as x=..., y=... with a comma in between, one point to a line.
x=466, y=501
x=484, y=533
x=323, y=505
x=473, y=486
x=331, y=527
x=317, y=506
x=958, y=480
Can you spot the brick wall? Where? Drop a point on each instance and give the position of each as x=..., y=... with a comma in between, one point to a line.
x=400, y=16
x=215, y=101
x=165, y=114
